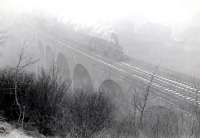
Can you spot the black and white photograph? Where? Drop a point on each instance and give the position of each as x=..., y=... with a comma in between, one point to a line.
x=99, y=68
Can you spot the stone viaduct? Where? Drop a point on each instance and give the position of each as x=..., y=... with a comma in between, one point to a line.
x=91, y=72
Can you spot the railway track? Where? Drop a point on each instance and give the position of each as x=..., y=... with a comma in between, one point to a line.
x=166, y=86
x=182, y=90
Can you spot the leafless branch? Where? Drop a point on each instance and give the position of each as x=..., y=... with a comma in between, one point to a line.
x=22, y=63
x=141, y=105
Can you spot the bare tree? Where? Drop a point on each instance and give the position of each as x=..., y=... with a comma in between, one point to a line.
x=23, y=62
x=140, y=105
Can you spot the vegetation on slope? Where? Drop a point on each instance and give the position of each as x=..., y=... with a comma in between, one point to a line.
x=50, y=106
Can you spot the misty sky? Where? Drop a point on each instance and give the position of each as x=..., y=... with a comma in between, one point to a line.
x=176, y=13
x=180, y=16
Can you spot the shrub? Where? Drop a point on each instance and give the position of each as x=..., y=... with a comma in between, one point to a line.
x=160, y=122
x=90, y=112
x=8, y=105
x=126, y=127
x=49, y=106
x=40, y=97
x=44, y=104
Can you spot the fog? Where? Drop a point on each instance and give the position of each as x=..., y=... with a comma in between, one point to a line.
x=100, y=68
x=160, y=44
x=157, y=32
